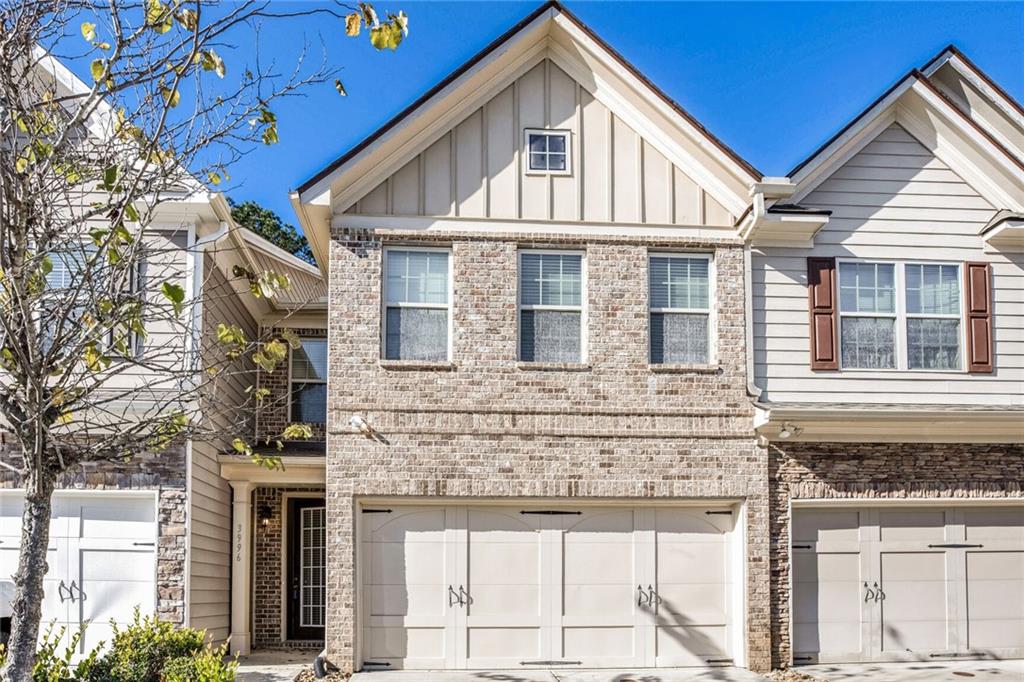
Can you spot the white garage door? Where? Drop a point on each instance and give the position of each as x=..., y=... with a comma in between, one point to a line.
x=906, y=583
x=509, y=587
x=102, y=559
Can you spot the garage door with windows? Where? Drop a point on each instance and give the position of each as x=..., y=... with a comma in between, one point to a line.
x=101, y=559
x=511, y=587
x=907, y=583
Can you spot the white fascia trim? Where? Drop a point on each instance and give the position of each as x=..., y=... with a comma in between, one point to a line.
x=318, y=242
x=620, y=105
x=979, y=84
x=846, y=147
x=641, y=88
x=417, y=119
x=955, y=118
x=860, y=502
x=277, y=252
x=493, y=226
x=953, y=157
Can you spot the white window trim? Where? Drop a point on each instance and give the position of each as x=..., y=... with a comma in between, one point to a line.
x=901, y=316
x=548, y=132
x=581, y=308
x=710, y=311
x=384, y=304
x=292, y=381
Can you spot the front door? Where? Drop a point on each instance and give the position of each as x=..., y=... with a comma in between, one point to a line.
x=307, y=568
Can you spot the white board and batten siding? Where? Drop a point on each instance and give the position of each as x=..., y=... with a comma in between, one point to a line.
x=209, y=494
x=477, y=169
x=894, y=200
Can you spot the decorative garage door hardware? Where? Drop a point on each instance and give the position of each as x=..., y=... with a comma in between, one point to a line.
x=551, y=512
x=873, y=593
x=964, y=654
x=376, y=511
x=143, y=544
x=726, y=512
x=720, y=661
x=803, y=547
x=646, y=598
x=461, y=597
x=953, y=545
x=383, y=664
x=550, y=662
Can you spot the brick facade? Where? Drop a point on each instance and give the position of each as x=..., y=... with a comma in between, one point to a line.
x=164, y=472
x=875, y=471
x=487, y=426
x=268, y=554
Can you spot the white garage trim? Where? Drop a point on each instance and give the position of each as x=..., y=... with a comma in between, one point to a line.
x=905, y=502
x=451, y=535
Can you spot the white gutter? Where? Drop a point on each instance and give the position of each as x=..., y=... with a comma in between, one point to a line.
x=748, y=316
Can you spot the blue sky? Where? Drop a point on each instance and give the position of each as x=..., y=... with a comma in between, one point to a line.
x=772, y=80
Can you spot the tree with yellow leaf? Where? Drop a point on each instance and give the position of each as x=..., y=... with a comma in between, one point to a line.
x=99, y=359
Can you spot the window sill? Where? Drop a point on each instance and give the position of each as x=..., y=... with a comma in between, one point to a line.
x=553, y=366
x=673, y=368
x=416, y=366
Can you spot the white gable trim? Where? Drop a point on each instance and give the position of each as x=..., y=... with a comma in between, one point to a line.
x=980, y=84
x=622, y=108
x=890, y=110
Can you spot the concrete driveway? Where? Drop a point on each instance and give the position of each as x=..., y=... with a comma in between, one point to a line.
x=648, y=675
x=932, y=671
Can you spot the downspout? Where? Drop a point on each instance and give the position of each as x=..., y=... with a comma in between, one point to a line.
x=757, y=212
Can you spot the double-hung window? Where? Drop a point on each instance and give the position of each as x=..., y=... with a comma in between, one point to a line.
x=933, y=316
x=550, y=307
x=309, y=382
x=900, y=315
x=416, y=304
x=680, y=308
x=867, y=309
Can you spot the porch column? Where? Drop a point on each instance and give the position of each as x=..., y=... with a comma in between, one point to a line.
x=241, y=568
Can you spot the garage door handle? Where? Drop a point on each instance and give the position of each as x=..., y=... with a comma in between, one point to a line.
x=879, y=594
x=869, y=594
x=60, y=593
x=464, y=592
x=953, y=545
x=71, y=590
x=457, y=598
x=642, y=598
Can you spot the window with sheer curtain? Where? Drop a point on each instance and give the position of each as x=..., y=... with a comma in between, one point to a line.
x=416, y=314
x=900, y=315
x=550, y=307
x=680, y=309
x=309, y=382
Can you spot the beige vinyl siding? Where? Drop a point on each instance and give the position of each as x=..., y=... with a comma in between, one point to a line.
x=209, y=494
x=893, y=200
x=476, y=169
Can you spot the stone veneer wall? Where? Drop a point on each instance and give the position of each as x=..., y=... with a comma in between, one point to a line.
x=485, y=425
x=268, y=629
x=875, y=471
x=165, y=472
x=272, y=416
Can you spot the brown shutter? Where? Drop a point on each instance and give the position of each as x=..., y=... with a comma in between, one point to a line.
x=821, y=301
x=978, y=317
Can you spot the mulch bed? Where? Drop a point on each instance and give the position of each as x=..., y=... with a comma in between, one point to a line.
x=792, y=675
x=308, y=676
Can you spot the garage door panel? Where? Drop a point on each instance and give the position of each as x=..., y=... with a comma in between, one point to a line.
x=828, y=604
x=132, y=517
x=917, y=525
x=389, y=643
x=826, y=526
x=505, y=600
x=607, y=601
x=596, y=642
x=487, y=646
x=691, y=645
x=914, y=612
x=995, y=601
x=693, y=603
x=698, y=562
x=994, y=524
x=417, y=563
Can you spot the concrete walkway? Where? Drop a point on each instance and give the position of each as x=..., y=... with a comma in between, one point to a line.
x=641, y=675
x=273, y=666
x=930, y=671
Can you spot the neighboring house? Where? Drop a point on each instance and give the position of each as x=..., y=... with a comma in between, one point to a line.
x=154, y=532
x=888, y=347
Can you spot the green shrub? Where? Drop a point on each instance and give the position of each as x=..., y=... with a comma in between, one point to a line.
x=205, y=666
x=139, y=651
x=53, y=665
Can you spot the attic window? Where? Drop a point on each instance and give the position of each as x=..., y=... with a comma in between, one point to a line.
x=547, y=151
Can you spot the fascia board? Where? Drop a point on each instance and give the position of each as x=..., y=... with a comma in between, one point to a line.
x=844, y=148
x=619, y=104
x=452, y=103
x=980, y=84
x=318, y=232
x=1008, y=194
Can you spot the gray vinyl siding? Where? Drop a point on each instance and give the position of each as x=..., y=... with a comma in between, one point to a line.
x=210, y=495
x=893, y=200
